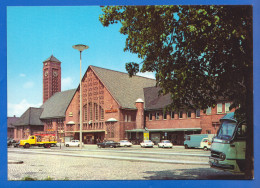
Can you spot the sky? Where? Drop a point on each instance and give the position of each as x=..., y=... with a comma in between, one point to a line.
x=35, y=33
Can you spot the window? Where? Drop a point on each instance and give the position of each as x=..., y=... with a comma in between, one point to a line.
x=219, y=108
x=129, y=118
x=181, y=114
x=227, y=105
x=208, y=111
x=85, y=112
x=90, y=111
x=102, y=113
x=208, y=131
x=197, y=113
x=96, y=111
x=172, y=115
x=189, y=114
x=125, y=117
x=157, y=115
x=165, y=115
x=150, y=116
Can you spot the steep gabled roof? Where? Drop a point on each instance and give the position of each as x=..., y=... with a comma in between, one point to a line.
x=56, y=105
x=153, y=100
x=11, y=121
x=53, y=59
x=30, y=117
x=125, y=90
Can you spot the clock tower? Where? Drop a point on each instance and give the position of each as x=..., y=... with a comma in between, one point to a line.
x=51, y=77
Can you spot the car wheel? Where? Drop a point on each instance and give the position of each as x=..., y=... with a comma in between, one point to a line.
x=67, y=145
x=27, y=145
x=186, y=146
x=205, y=148
x=78, y=145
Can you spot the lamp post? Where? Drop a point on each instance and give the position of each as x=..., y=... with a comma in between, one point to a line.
x=80, y=48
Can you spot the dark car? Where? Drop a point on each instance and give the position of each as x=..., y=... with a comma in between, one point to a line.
x=17, y=144
x=10, y=142
x=109, y=143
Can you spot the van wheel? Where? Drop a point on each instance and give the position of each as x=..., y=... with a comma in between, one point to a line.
x=205, y=148
x=27, y=145
x=186, y=146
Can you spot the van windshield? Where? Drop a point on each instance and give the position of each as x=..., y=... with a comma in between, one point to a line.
x=226, y=130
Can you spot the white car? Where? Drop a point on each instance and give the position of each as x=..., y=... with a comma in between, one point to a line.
x=125, y=143
x=73, y=143
x=165, y=144
x=147, y=143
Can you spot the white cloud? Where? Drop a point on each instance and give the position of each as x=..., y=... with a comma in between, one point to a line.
x=22, y=75
x=28, y=85
x=20, y=108
x=147, y=74
x=66, y=83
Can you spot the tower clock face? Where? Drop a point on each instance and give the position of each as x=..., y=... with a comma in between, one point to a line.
x=55, y=73
x=46, y=73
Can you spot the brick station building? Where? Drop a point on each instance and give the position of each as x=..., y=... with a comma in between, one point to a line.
x=115, y=107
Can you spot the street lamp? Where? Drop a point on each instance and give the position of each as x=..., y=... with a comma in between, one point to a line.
x=80, y=48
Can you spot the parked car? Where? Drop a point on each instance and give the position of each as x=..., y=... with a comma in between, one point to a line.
x=10, y=141
x=165, y=144
x=147, y=143
x=108, y=143
x=17, y=144
x=73, y=143
x=125, y=143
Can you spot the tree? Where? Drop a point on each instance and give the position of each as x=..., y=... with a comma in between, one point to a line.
x=200, y=54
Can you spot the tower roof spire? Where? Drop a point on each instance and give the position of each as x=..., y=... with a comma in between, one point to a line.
x=52, y=58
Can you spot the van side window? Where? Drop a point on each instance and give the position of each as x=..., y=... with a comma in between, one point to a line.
x=241, y=131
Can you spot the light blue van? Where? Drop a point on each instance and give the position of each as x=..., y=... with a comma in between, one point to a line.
x=194, y=140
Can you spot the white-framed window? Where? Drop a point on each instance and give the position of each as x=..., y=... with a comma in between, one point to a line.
x=180, y=114
x=197, y=113
x=157, y=115
x=208, y=111
x=227, y=105
x=219, y=108
x=125, y=117
x=189, y=114
x=172, y=115
x=129, y=118
x=165, y=115
x=150, y=116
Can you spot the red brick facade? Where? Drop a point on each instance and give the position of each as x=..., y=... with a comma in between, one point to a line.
x=105, y=119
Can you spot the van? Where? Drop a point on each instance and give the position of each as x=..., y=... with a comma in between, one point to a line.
x=229, y=146
x=202, y=141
